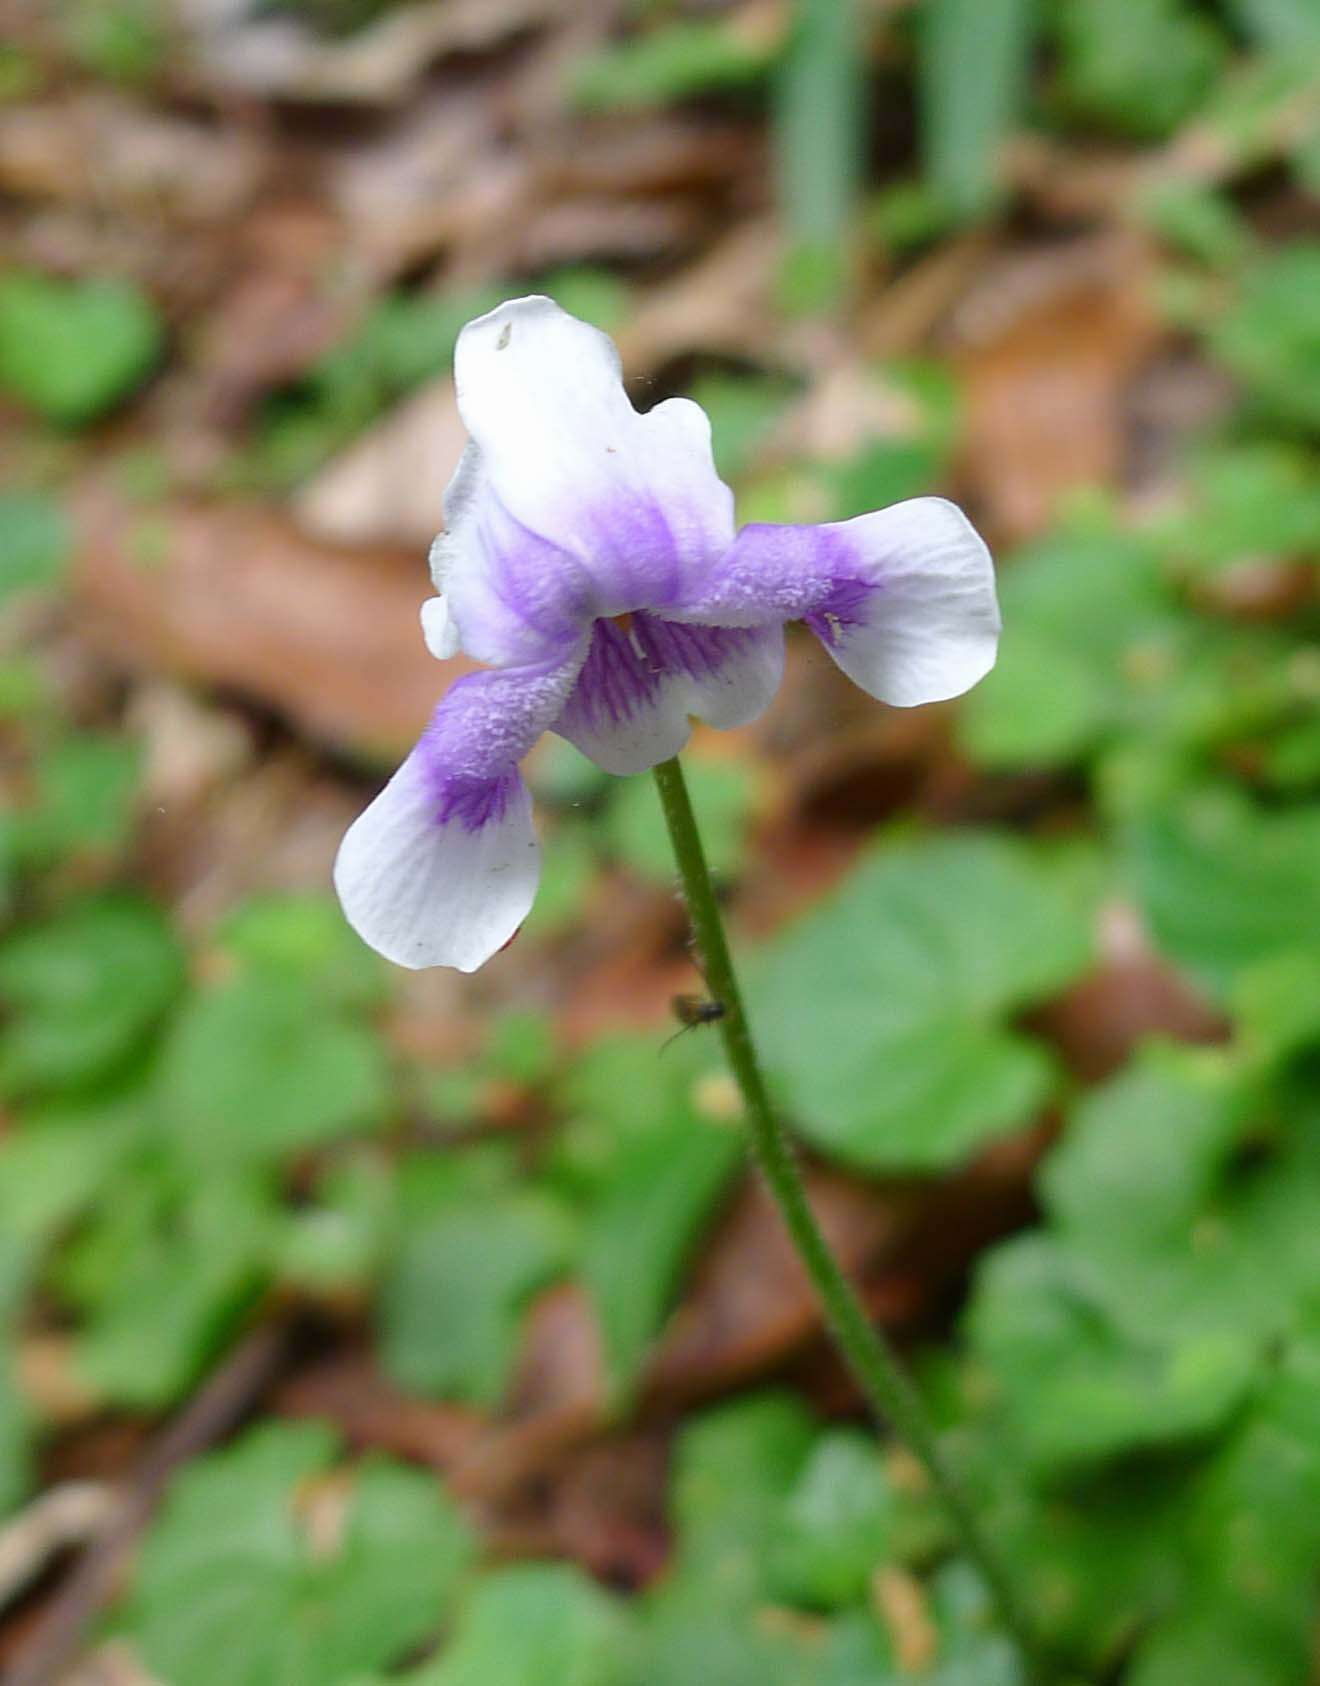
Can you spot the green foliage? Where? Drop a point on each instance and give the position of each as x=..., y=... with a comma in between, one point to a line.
x=820, y=139
x=270, y=1567
x=1198, y=221
x=144, y=1168
x=1088, y=629
x=258, y=1068
x=1270, y=338
x=1287, y=24
x=972, y=65
x=907, y=977
x=621, y=1091
x=1248, y=112
x=337, y=1241
x=84, y=791
x=1225, y=1244
x=1075, y=1391
x=71, y=350
x=1166, y=1313
x=1134, y=1390
x=743, y=410
x=662, y=1187
x=1225, y=883
x=196, y=1255
x=734, y=1471
x=722, y=794
x=837, y=1525
x=121, y=40
x=16, y=1414
x=84, y=990
x=1140, y=68
x=1246, y=499
x=1107, y=658
x=463, y=1272
x=673, y=62
x=537, y=1625
x=34, y=543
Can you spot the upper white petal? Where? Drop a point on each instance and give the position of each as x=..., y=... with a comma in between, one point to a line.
x=569, y=504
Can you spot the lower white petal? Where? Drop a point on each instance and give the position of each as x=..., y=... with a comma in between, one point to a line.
x=642, y=683
x=741, y=687
x=426, y=887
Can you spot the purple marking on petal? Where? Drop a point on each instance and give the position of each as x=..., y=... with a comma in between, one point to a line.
x=474, y=803
x=482, y=727
x=770, y=575
x=698, y=651
x=842, y=609
x=618, y=678
x=515, y=590
x=637, y=551
x=459, y=798
x=625, y=669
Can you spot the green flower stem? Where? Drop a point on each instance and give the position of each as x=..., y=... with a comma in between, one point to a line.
x=877, y=1371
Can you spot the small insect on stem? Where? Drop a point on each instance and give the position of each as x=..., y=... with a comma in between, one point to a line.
x=691, y=1011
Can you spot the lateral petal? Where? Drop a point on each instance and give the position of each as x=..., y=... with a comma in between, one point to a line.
x=904, y=599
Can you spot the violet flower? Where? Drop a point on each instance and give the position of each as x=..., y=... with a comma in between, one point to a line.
x=590, y=558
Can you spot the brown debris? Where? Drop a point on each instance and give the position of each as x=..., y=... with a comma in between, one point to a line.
x=1046, y=346
x=386, y=487
x=232, y=596
x=281, y=58
x=1134, y=994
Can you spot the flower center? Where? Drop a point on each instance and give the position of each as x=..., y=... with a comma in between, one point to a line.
x=632, y=633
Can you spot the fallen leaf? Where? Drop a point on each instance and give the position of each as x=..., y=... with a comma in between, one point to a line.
x=386, y=487
x=1046, y=347
x=95, y=147
x=1132, y=995
x=231, y=595
x=352, y=1391
x=284, y=58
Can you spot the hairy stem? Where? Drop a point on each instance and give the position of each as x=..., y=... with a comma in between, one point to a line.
x=887, y=1389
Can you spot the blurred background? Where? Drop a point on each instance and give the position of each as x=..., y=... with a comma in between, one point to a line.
x=360, y=1326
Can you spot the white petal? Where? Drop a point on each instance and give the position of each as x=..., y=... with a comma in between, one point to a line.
x=438, y=629
x=651, y=732
x=740, y=688
x=460, y=497
x=931, y=630
x=425, y=893
x=570, y=504
x=634, y=700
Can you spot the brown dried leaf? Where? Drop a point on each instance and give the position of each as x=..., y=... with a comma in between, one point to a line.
x=385, y=488
x=233, y=596
x=284, y=58
x=352, y=1392
x=1133, y=994
x=1046, y=347
x=93, y=147
x=275, y=315
x=434, y=175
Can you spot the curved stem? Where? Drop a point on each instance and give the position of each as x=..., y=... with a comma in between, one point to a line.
x=887, y=1389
